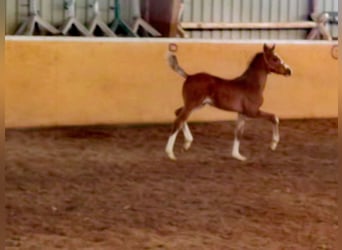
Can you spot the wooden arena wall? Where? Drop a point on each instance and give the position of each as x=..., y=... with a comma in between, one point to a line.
x=52, y=82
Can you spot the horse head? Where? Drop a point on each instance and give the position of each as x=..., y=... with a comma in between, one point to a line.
x=274, y=63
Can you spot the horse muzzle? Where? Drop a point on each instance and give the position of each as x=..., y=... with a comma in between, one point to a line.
x=288, y=71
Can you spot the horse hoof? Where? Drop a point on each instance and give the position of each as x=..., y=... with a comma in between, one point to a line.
x=239, y=157
x=187, y=145
x=171, y=156
x=274, y=145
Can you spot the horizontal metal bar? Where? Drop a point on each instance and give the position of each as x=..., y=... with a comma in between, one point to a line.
x=249, y=25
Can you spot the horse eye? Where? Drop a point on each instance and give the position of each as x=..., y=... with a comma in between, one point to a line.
x=276, y=59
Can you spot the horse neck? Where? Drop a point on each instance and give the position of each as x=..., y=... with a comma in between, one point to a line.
x=256, y=73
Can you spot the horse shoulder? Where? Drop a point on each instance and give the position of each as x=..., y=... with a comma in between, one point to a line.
x=251, y=103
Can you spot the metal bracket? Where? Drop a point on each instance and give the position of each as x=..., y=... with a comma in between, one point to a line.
x=139, y=22
x=34, y=21
x=96, y=21
x=334, y=52
x=320, y=30
x=69, y=6
x=118, y=22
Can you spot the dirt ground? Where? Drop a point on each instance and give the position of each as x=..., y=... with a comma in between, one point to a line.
x=113, y=188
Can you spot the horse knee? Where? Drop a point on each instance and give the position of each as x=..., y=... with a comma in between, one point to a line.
x=178, y=111
x=239, y=133
x=177, y=124
x=239, y=128
x=181, y=118
x=274, y=119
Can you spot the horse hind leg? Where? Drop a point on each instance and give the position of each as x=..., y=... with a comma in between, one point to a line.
x=188, y=138
x=177, y=125
x=178, y=111
x=170, y=145
x=240, y=124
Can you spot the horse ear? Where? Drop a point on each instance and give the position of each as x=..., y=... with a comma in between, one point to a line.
x=267, y=48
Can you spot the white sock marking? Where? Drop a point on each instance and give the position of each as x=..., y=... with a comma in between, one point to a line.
x=207, y=100
x=188, y=136
x=235, y=152
x=236, y=144
x=170, y=144
x=275, y=135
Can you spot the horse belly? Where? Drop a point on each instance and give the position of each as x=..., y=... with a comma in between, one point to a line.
x=208, y=101
x=197, y=92
x=230, y=101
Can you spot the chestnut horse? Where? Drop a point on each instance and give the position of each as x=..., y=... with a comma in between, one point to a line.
x=243, y=95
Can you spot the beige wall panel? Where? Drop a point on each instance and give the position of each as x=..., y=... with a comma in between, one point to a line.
x=111, y=81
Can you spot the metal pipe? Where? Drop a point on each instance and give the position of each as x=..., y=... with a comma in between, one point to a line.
x=117, y=9
x=32, y=7
x=313, y=6
x=69, y=5
x=136, y=8
x=248, y=25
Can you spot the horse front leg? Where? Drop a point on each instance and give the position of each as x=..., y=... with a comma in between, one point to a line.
x=240, y=124
x=275, y=127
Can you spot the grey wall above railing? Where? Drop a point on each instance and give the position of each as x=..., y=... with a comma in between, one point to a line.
x=253, y=11
x=53, y=11
x=195, y=11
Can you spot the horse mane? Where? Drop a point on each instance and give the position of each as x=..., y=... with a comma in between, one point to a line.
x=254, y=62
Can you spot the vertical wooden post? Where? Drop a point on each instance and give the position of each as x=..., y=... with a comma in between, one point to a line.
x=314, y=6
x=162, y=15
x=175, y=9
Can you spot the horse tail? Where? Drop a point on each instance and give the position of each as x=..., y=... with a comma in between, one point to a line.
x=173, y=62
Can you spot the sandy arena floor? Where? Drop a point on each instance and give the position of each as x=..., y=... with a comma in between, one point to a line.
x=114, y=188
